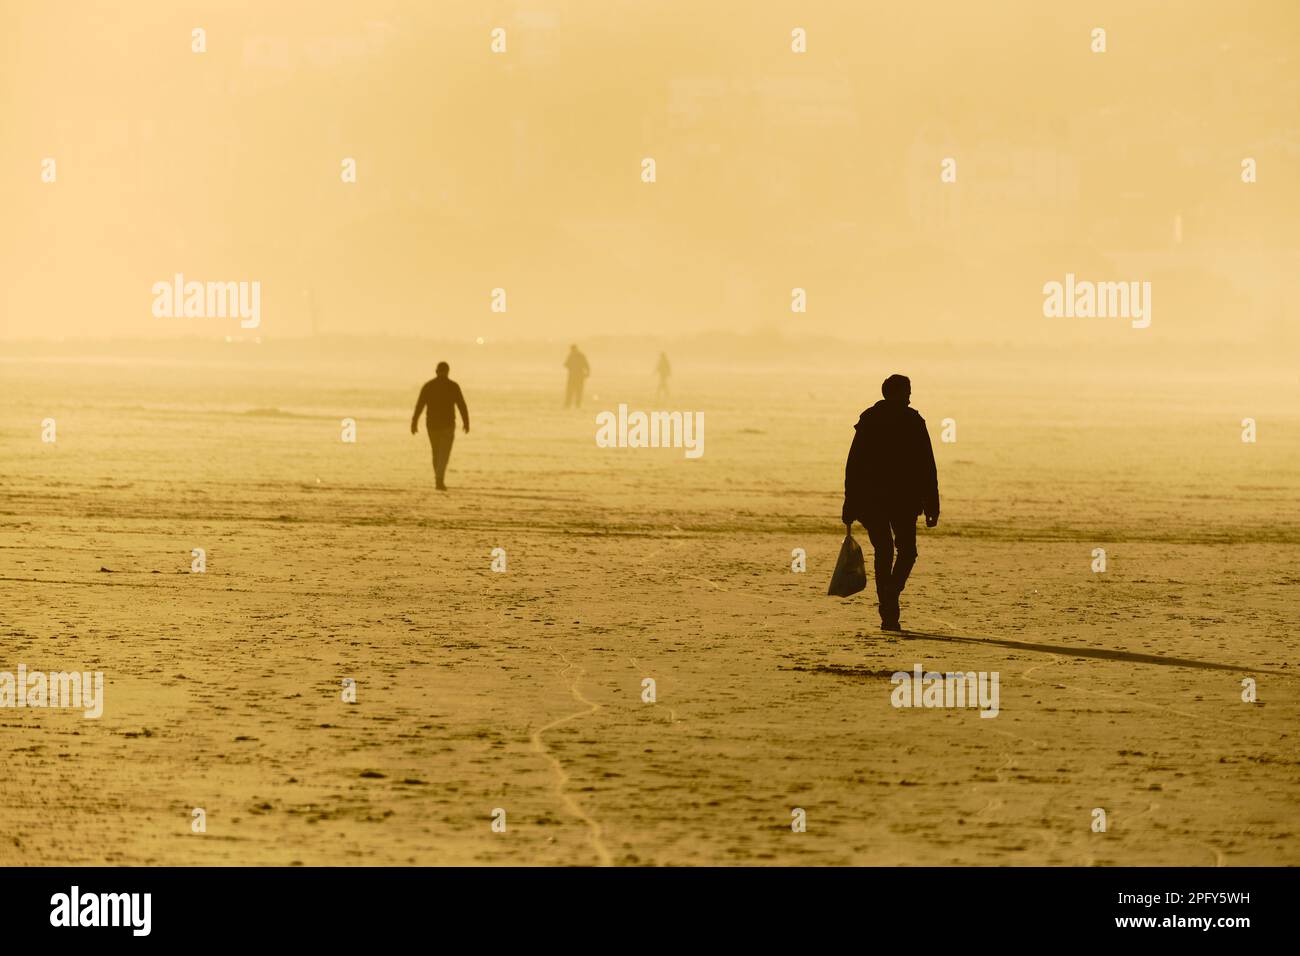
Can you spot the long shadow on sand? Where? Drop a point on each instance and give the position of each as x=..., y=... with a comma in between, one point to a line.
x=1097, y=652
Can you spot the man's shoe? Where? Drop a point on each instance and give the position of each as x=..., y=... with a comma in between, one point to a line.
x=891, y=626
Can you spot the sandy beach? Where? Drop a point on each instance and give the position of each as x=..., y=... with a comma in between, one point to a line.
x=478, y=691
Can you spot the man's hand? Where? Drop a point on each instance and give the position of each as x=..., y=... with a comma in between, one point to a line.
x=931, y=520
x=467, y=428
x=415, y=425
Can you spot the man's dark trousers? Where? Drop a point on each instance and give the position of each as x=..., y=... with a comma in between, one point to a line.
x=440, y=439
x=890, y=530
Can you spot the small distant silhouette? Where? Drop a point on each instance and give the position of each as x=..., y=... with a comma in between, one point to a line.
x=664, y=371
x=889, y=479
x=578, y=368
x=441, y=396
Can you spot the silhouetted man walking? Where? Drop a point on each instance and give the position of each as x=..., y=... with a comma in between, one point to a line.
x=441, y=396
x=663, y=370
x=578, y=368
x=889, y=479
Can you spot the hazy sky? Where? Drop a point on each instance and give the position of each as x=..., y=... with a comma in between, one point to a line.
x=522, y=170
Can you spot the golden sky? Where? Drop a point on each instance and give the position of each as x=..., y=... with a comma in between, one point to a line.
x=522, y=170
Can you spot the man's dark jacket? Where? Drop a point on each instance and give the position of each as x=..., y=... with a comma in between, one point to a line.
x=890, y=470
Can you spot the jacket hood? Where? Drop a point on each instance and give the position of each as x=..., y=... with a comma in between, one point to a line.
x=888, y=409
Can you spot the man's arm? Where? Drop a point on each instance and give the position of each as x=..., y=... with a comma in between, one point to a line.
x=929, y=477
x=854, y=470
x=464, y=410
x=419, y=407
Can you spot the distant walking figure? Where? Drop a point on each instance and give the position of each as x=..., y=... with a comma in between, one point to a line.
x=664, y=371
x=441, y=396
x=889, y=479
x=578, y=368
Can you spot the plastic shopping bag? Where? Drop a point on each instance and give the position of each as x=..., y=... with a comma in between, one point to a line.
x=850, y=575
